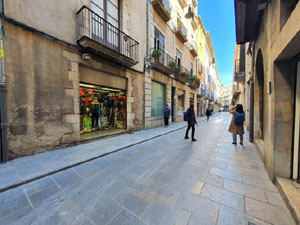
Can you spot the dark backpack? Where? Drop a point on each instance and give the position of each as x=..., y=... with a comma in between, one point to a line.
x=239, y=118
x=186, y=116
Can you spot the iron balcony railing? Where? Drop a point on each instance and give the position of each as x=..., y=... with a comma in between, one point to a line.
x=181, y=28
x=162, y=58
x=93, y=26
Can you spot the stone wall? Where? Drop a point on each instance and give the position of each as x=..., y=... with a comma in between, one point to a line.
x=279, y=43
x=37, y=74
x=43, y=91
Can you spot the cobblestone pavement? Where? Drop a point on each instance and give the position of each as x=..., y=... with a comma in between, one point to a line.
x=164, y=181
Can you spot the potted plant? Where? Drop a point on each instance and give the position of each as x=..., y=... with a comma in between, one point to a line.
x=172, y=65
x=156, y=53
x=194, y=82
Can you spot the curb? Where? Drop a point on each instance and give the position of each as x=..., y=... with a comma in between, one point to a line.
x=88, y=160
x=288, y=201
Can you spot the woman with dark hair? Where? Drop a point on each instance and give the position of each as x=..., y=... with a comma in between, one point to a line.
x=237, y=123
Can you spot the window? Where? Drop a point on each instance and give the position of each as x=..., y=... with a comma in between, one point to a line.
x=192, y=70
x=178, y=57
x=157, y=99
x=159, y=40
x=102, y=32
x=180, y=108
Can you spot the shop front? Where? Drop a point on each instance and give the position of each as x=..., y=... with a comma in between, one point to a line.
x=102, y=111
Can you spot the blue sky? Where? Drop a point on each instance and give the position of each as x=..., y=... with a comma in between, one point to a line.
x=218, y=18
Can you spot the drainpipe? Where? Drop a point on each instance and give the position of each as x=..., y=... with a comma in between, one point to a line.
x=147, y=55
x=148, y=28
x=3, y=135
x=251, y=138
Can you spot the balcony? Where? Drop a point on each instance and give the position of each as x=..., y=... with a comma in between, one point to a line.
x=181, y=31
x=96, y=35
x=239, y=70
x=182, y=3
x=194, y=49
x=163, y=9
x=162, y=61
x=181, y=74
x=194, y=82
x=194, y=22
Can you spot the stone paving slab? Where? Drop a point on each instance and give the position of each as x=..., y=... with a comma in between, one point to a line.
x=165, y=181
x=22, y=170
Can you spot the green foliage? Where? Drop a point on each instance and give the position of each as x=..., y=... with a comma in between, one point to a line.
x=172, y=64
x=194, y=78
x=156, y=53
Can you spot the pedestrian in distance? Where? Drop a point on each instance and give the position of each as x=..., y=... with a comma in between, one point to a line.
x=191, y=120
x=237, y=123
x=166, y=115
x=207, y=113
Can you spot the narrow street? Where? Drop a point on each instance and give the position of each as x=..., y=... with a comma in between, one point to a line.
x=164, y=181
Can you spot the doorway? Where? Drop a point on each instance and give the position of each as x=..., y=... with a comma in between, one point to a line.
x=260, y=92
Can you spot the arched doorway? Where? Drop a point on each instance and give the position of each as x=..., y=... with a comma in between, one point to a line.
x=260, y=92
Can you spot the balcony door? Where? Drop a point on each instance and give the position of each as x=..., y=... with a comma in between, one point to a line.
x=159, y=43
x=105, y=23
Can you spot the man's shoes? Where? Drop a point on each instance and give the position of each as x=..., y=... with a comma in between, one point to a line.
x=194, y=139
x=241, y=143
x=234, y=143
x=186, y=137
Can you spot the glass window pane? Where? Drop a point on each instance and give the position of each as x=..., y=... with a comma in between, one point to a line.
x=98, y=3
x=157, y=99
x=112, y=21
x=98, y=10
x=115, y=2
x=112, y=10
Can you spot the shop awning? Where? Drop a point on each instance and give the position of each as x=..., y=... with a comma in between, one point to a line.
x=248, y=14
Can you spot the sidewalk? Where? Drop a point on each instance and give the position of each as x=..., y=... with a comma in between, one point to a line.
x=26, y=169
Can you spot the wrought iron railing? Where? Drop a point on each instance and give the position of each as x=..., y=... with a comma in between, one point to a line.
x=162, y=57
x=93, y=26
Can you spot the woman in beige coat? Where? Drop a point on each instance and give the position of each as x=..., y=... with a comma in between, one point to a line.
x=236, y=129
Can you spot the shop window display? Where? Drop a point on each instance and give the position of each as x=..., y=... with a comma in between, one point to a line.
x=101, y=109
x=157, y=99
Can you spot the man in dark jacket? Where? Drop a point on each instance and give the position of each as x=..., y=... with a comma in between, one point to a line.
x=166, y=115
x=191, y=123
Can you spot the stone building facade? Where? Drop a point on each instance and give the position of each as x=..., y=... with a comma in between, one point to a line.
x=77, y=70
x=272, y=30
x=168, y=76
x=55, y=61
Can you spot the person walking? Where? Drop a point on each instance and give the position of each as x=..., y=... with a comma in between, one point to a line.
x=191, y=120
x=237, y=123
x=166, y=115
x=207, y=113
